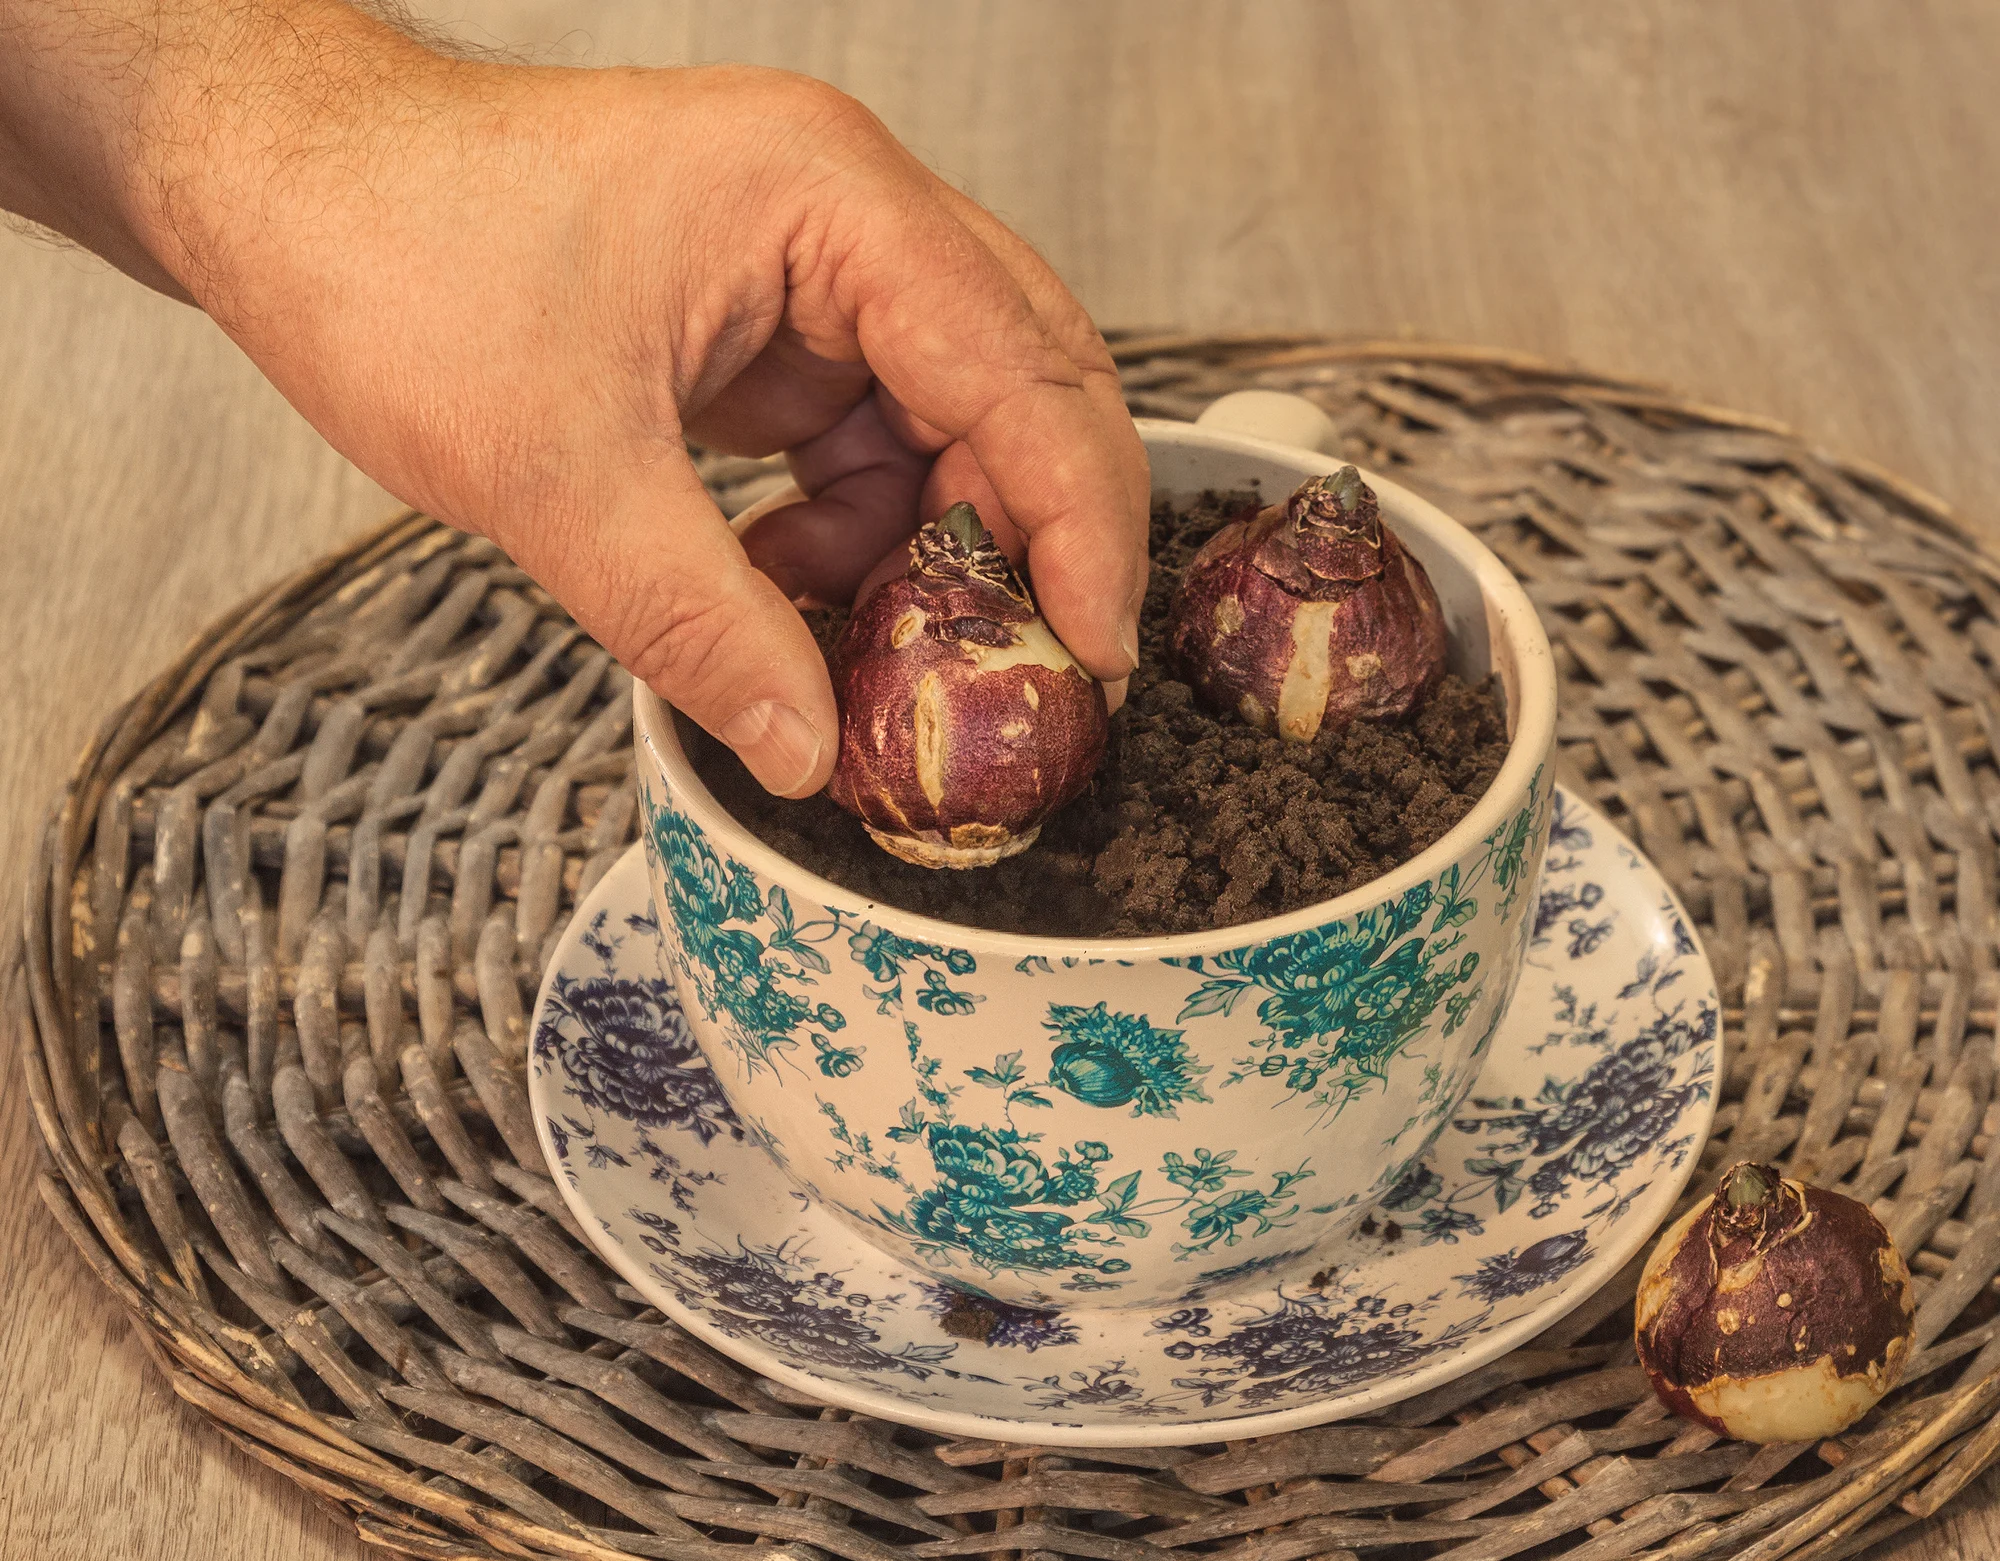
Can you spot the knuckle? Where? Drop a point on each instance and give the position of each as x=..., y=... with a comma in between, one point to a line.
x=825, y=109
x=805, y=113
x=682, y=647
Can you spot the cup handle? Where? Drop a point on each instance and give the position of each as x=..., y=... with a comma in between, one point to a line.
x=1274, y=415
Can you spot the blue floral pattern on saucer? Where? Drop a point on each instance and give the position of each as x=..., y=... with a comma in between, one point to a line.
x=1592, y=1102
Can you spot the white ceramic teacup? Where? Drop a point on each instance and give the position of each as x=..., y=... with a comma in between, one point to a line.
x=1120, y=1121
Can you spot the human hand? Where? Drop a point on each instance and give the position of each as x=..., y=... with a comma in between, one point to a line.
x=509, y=293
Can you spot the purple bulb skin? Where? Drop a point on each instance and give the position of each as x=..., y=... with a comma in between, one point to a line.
x=1307, y=615
x=964, y=721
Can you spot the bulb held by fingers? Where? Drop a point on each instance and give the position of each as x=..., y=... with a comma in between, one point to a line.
x=964, y=721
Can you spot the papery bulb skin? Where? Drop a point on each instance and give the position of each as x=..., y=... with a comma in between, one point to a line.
x=1308, y=614
x=964, y=721
x=1773, y=1311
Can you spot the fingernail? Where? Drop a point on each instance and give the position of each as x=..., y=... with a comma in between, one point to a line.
x=780, y=746
x=1128, y=642
x=1128, y=626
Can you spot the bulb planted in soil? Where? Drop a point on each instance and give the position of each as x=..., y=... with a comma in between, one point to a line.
x=1193, y=820
x=1308, y=614
x=964, y=721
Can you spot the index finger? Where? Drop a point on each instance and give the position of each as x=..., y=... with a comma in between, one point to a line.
x=1063, y=314
x=955, y=339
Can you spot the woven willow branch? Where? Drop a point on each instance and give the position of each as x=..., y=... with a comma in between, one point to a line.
x=290, y=911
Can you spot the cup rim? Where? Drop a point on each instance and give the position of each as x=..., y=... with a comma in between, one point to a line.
x=1510, y=614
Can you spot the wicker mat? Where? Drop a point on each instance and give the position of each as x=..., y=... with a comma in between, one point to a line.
x=295, y=902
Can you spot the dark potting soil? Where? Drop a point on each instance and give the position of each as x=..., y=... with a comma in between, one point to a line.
x=1195, y=821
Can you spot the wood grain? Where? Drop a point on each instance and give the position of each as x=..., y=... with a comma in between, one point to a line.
x=1787, y=208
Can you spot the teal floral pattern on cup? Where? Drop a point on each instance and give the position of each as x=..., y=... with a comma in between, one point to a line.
x=743, y=983
x=1107, y=1059
x=1344, y=1000
x=1000, y=1200
x=1141, y=1116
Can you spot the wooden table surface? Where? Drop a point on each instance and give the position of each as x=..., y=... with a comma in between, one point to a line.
x=1789, y=208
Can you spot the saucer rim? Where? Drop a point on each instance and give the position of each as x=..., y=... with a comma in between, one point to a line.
x=1394, y=1388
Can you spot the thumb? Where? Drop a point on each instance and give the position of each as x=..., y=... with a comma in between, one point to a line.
x=660, y=581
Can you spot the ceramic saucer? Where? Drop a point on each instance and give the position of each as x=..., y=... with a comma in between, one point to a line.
x=1572, y=1147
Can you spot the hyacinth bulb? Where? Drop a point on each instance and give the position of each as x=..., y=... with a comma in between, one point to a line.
x=1773, y=1311
x=1307, y=614
x=964, y=721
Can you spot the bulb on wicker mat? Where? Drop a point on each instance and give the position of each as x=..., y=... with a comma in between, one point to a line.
x=1773, y=1311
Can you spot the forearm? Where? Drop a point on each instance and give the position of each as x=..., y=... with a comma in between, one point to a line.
x=158, y=133
x=69, y=89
